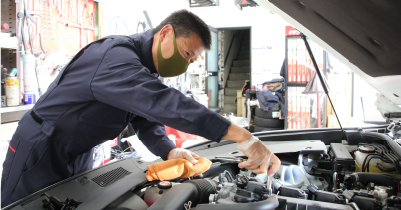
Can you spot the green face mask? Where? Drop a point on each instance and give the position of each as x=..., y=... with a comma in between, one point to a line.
x=173, y=66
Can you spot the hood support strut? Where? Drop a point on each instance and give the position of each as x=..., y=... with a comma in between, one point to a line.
x=321, y=81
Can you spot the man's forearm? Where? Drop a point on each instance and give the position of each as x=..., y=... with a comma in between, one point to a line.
x=237, y=134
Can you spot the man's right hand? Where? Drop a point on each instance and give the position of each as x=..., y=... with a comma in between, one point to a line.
x=260, y=158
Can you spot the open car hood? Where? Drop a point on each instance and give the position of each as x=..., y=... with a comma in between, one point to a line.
x=364, y=35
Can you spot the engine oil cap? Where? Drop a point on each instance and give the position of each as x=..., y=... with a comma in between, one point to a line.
x=164, y=185
x=366, y=149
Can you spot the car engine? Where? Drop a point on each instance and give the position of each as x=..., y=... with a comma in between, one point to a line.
x=363, y=173
x=365, y=176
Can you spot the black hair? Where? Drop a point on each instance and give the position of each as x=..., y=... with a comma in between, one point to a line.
x=184, y=23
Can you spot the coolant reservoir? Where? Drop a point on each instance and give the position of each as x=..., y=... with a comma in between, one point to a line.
x=152, y=194
x=360, y=156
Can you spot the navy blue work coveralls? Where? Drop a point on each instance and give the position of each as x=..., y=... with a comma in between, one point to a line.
x=108, y=84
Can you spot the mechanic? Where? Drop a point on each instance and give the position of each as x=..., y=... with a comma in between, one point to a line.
x=108, y=84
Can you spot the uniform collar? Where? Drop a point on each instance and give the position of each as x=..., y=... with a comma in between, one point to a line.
x=145, y=42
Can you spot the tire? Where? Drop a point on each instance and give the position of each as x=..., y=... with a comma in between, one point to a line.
x=263, y=114
x=268, y=123
x=260, y=129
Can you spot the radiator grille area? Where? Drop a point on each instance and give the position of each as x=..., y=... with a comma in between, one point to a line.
x=111, y=177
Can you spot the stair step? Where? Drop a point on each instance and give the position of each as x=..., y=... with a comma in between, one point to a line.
x=230, y=108
x=243, y=52
x=243, y=57
x=240, y=70
x=239, y=76
x=231, y=91
x=229, y=99
x=236, y=84
x=241, y=63
x=248, y=42
x=245, y=47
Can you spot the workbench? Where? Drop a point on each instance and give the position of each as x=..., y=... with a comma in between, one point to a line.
x=15, y=113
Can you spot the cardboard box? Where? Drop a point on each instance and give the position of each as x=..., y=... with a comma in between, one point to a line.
x=239, y=94
x=289, y=112
x=289, y=61
x=239, y=103
x=243, y=107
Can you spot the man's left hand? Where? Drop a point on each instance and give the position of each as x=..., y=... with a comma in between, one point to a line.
x=179, y=153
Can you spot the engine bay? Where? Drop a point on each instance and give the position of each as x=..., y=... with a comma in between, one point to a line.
x=362, y=174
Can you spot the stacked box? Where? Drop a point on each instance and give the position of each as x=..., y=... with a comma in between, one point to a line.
x=294, y=108
x=307, y=111
x=289, y=53
x=298, y=109
x=299, y=60
x=289, y=115
x=308, y=67
x=294, y=60
x=302, y=118
x=303, y=62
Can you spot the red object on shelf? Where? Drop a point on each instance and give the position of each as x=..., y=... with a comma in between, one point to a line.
x=290, y=31
x=289, y=70
x=5, y=26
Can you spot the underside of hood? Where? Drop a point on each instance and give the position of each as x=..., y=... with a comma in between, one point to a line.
x=365, y=35
x=365, y=32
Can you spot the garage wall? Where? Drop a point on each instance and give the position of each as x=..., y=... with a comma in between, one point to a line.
x=228, y=35
x=368, y=94
x=267, y=30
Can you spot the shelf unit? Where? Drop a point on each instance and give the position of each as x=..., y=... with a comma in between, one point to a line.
x=9, y=56
x=90, y=29
x=296, y=103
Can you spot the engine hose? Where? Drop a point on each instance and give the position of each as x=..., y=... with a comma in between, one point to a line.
x=394, y=201
x=382, y=168
x=378, y=179
x=268, y=204
x=364, y=162
x=366, y=167
x=354, y=206
x=391, y=143
x=318, y=171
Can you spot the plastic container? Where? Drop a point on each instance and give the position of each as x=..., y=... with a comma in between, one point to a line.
x=30, y=81
x=360, y=156
x=152, y=194
x=12, y=91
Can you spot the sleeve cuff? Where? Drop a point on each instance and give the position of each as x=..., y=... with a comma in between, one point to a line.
x=165, y=148
x=216, y=128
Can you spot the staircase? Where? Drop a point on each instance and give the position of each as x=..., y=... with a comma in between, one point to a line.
x=239, y=72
